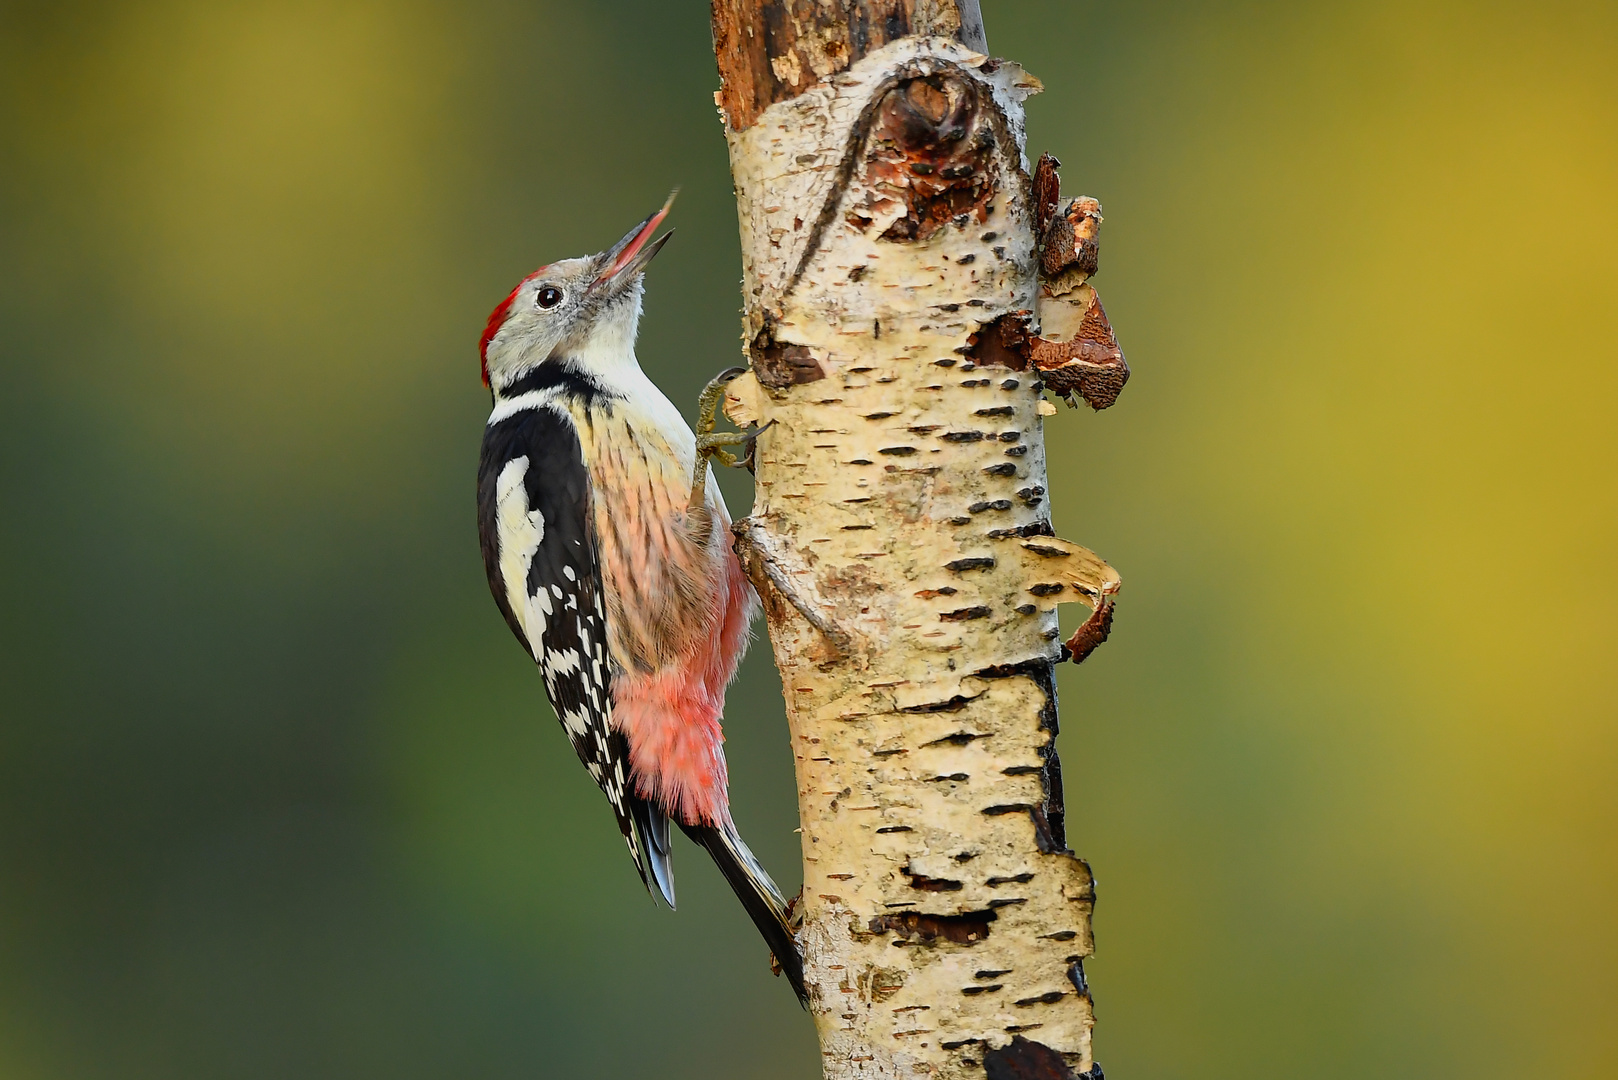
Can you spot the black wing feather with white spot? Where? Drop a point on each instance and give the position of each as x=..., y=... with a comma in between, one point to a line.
x=534, y=522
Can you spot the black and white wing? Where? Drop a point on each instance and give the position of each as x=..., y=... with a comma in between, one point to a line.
x=540, y=554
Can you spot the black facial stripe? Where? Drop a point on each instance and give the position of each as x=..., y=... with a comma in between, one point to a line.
x=557, y=373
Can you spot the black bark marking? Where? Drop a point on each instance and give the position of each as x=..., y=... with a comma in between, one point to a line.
x=1050, y=997
x=967, y=928
x=1035, y=528
x=960, y=738
x=931, y=884
x=1015, y=879
x=1024, y=1059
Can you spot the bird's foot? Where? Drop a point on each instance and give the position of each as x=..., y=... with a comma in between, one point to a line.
x=711, y=444
x=712, y=395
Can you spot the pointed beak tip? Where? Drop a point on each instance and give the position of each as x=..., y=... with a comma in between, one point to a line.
x=632, y=253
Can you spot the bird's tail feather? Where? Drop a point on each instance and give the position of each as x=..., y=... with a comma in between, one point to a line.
x=653, y=825
x=758, y=894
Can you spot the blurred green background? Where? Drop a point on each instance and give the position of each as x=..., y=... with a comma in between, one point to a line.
x=279, y=796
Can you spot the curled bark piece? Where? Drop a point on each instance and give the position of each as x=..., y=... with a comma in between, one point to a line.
x=1071, y=243
x=1091, y=633
x=1069, y=234
x=1047, y=193
x=744, y=405
x=1074, y=345
x=1075, y=350
x=1058, y=572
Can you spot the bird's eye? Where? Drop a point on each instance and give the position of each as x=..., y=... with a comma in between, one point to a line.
x=548, y=297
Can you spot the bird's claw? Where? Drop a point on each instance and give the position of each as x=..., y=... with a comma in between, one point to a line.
x=712, y=395
x=711, y=444
x=751, y=442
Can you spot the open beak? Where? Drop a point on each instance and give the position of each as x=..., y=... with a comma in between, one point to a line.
x=629, y=256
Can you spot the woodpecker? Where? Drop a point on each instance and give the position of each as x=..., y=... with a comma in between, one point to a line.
x=604, y=539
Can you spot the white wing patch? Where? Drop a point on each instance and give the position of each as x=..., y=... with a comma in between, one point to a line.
x=521, y=532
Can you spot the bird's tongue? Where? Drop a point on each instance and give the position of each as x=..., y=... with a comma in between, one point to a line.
x=637, y=240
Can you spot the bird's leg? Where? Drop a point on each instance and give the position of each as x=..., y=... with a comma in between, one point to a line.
x=711, y=444
x=712, y=395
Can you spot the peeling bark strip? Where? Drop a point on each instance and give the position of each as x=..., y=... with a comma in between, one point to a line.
x=900, y=537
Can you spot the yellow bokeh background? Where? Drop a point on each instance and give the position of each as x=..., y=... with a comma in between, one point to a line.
x=278, y=795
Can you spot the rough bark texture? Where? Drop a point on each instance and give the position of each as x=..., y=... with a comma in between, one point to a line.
x=901, y=538
x=774, y=50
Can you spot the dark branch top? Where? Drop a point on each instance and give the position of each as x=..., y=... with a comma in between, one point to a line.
x=774, y=50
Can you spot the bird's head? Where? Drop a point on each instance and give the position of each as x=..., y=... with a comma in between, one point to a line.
x=584, y=310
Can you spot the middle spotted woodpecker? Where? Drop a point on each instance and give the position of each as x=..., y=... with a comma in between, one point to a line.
x=604, y=540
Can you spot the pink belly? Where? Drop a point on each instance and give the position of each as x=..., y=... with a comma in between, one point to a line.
x=672, y=715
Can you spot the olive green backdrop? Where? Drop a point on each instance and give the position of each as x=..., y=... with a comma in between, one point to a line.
x=279, y=796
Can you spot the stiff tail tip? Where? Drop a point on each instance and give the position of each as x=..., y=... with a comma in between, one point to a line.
x=652, y=827
x=759, y=896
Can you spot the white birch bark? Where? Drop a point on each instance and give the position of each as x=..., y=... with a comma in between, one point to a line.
x=900, y=541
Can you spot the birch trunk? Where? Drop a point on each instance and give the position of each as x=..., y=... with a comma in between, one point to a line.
x=899, y=325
